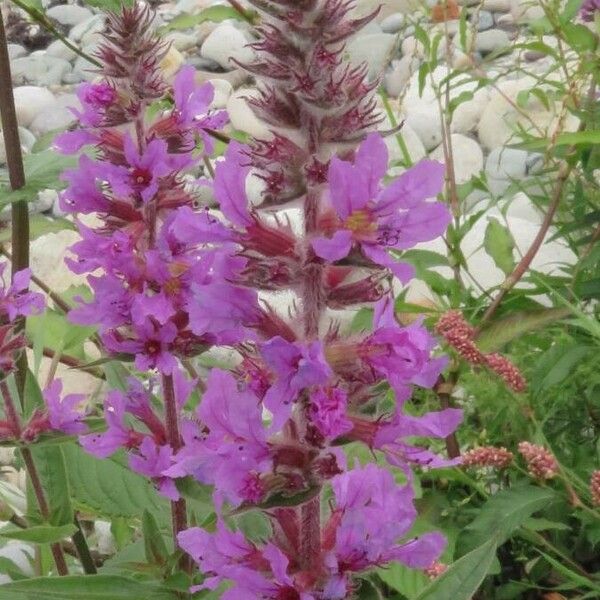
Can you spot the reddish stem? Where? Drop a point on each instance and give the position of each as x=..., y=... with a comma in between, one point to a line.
x=178, y=507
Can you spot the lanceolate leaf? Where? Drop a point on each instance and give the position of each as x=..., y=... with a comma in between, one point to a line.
x=461, y=579
x=216, y=14
x=39, y=534
x=503, y=513
x=499, y=244
x=84, y=587
x=505, y=330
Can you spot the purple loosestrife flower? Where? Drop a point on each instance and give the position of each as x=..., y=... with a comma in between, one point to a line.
x=380, y=218
x=15, y=299
x=233, y=452
x=328, y=406
x=153, y=461
x=372, y=513
x=296, y=367
x=64, y=414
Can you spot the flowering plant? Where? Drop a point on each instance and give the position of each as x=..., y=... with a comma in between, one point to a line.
x=287, y=448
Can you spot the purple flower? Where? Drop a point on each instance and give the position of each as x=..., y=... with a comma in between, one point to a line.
x=83, y=194
x=117, y=435
x=372, y=514
x=296, y=366
x=256, y=573
x=16, y=300
x=152, y=461
x=192, y=104
x=65, y=414
x=376, y=218
x=234, y=452
x=95, y=98
x=400, y=354
x=588, y=10
x=389, y=437
x=328, y=411
x=230, y=185
x=152, y=345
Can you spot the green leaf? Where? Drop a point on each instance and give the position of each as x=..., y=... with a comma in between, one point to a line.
x=505, y=330
x=461, y=580
x=83, y=587
x=577, y=138
x=503, y=513
x=41, y=172
x=154, y=543
x=556, y=364
x=216, y=14
x=109, y=5
x=571, y=575
x=409, y=582
x=109, y=488
x=499, y=244
x=40, y=534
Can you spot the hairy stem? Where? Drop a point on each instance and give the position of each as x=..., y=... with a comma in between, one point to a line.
x=178, y=507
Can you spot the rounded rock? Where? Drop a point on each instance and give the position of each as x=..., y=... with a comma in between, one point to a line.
x=69, y=14
x=468, y=157
x=30, y=101
x=224, y=43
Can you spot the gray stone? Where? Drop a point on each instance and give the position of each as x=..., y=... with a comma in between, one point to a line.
x=503, y=166
x=56, y=116
x=399, y=75
x=375, y=49
x=492, y=40
x=26, y=138
x=59, y=50
x=182, y=40
x=39, y=70
x=393, y=23
x=468, y=157
x=224, y=43
x=485, y=20
x=425, y=120
x=526, y=11
x=496, y=5
x=69, y=14
x=16, y=51
x=29, y=101
x=93, y=25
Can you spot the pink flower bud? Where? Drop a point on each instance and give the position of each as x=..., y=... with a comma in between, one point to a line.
x=541, y=464
x=488, y=456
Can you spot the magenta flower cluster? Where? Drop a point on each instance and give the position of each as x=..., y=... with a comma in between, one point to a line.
x=171, y=280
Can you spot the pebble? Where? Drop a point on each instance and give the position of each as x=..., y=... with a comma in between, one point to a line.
x=223, y=90
x=224, y=43
x=182, y=40
x=526, y=11
x=466, y=116
x=414, y=146
x=375, y=49
x=496, y=5
x=485, y=20
x=393, y=23
x=397, y=78
x=21, y=554
x=39, y=70
x=59, y=50
x=16, y=51
x=93, y=25
x=506, y=163
x=26, y=138
x=242, y=117
x=29, y=101
x=492, y=40
x=468, y=157
x=69, y=14
x=426, y=121
x=56, y=116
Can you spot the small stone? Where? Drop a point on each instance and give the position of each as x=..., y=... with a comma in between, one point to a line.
x=468, y=157
x=171, y=63
x=43, y=202
x=29, y=101
x=94, y=25
x=181, y=40
x=39, y=70
x=496, y=5
x=59, y=50
x=224, y=43
x=26, y=138
x=426, y=121
x=493, y=40
x=375, y=49
x=69, y=14
x=467, y=114
x=485, y=20
x=393, y=23
x=398, y=77
x=526, y=11
x=242, y=117
x=57, y=116
x=223, y=90
x=506, y=163
x=16, y=51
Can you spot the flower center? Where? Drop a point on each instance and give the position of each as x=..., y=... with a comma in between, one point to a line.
x=141, y=177
x=361, y=222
